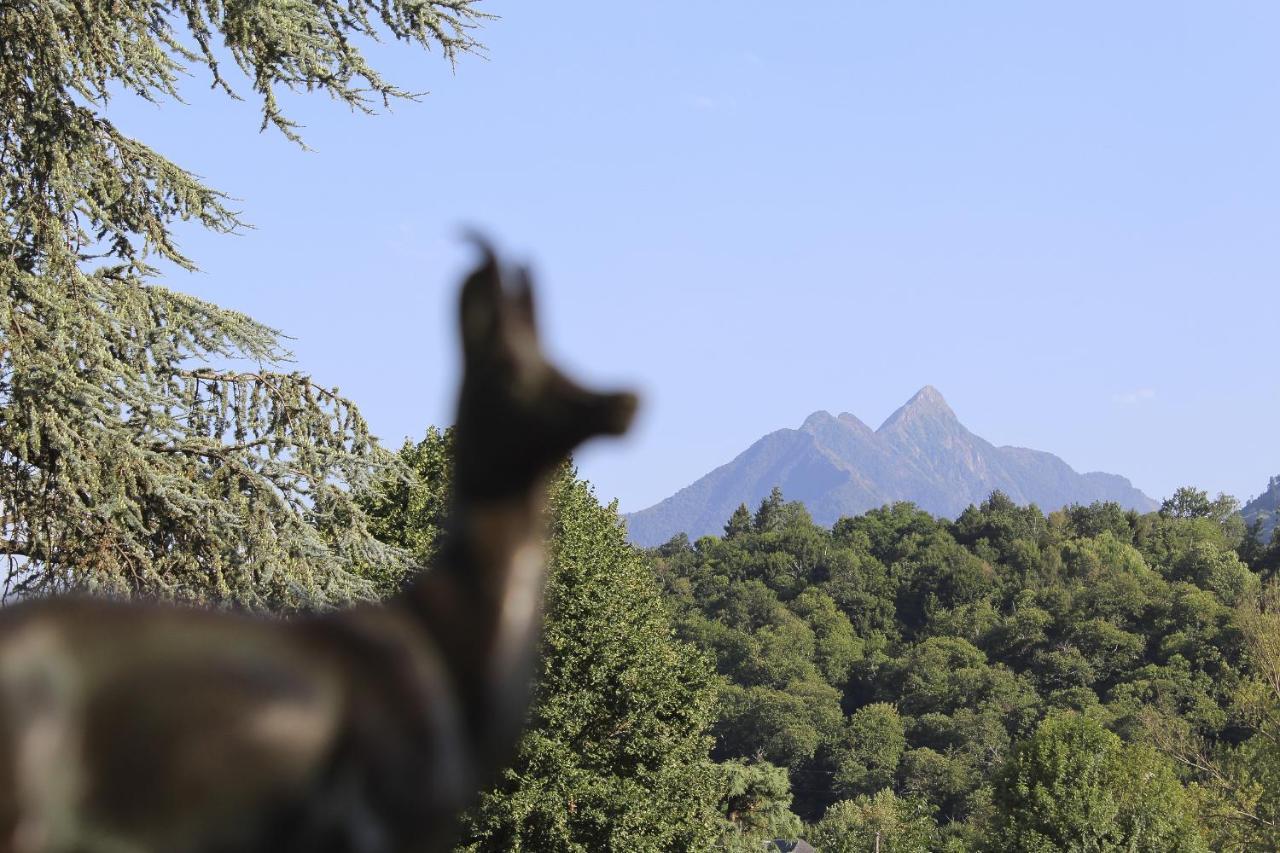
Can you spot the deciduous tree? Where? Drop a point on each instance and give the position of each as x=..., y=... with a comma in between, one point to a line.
x=1074, y=786
x=883, y=822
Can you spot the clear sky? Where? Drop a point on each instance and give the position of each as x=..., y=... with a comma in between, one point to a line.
x=1062, y=215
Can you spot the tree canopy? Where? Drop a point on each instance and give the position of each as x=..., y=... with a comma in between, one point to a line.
x=1090, y=679
x=1074, y=786
x=150, y=442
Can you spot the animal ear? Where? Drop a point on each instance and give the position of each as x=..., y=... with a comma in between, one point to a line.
x=522, y=298
x=481, y=295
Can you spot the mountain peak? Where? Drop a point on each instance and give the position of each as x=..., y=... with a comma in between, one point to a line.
x=927, y=403
x=822, y=421
x=853, y=422
x=816, y=419
x=928, y=396
x=838, y=467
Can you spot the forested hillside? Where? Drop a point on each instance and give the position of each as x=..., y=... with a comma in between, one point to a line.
x=1094, y=679
x=1264, y=511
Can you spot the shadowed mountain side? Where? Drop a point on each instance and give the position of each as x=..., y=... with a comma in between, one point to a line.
x=839, y=466
x=791, y=458
x=1265, y=508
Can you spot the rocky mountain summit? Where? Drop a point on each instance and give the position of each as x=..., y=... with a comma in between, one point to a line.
x=839, y=466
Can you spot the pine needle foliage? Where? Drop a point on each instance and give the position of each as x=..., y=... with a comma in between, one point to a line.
x=152, y=443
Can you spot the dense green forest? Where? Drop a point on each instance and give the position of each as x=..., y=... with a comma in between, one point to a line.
x=1093, y=679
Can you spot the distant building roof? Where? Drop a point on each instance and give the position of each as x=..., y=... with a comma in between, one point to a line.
x=797, y=846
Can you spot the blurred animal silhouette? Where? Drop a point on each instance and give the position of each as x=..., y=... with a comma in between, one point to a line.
x=147, y=728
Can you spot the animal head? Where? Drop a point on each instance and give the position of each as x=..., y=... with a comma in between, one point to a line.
x=519, y=416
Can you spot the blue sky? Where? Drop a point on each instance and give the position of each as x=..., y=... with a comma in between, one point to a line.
x=1063, y=216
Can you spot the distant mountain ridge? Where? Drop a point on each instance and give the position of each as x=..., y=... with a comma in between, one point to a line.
x=839, y=466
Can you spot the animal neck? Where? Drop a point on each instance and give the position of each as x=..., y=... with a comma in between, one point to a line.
x=489, y=542
x=481, y=602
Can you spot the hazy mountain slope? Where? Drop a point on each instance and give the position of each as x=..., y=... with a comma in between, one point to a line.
x=792, y=459
x=1266, y=507
x=839, y=466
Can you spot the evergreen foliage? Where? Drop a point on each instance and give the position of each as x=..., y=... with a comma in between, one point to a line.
x=739, y=522
x=152, y=443
x=755, y=802
x=615, y=756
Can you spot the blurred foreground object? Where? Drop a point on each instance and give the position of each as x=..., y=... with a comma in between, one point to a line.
x=127, y=727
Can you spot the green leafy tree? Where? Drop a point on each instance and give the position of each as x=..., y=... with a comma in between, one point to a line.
x=875, y=740
x=942, y=780
x=838, y=649
x=408, y=506
x=883, y=822
x=150, y=442
x=1238, y=784
x=1220, y=571
x=1188, y=502
x=783, y=726
x=1075, y=787
x=891, y=532
x=939, y=674
x=1101, y=516
x=1001, y=525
